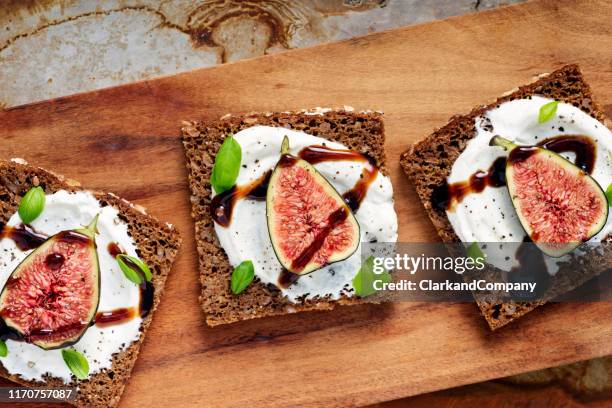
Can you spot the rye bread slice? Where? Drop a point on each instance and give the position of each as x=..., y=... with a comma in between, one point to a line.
x=428, y=163
x=157, y=244
x=363, y=132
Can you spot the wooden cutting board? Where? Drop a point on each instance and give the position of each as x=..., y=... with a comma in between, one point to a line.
x=126, y=140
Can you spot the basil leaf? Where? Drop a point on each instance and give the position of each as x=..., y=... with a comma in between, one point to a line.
x=363, y=282
x=31, y=205
x=609, y=194
x=3, y=349
x=242, y=277
x=548, y=111
x=134, y=269
x=227, y=165
x=77, y=363
x=474, y=251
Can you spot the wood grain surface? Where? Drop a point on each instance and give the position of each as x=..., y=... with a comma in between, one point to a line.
x=126, y=140
x=498, y=395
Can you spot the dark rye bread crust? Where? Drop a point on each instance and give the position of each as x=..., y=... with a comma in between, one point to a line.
x=363, y=132
x=157, y=244
x=428, y=163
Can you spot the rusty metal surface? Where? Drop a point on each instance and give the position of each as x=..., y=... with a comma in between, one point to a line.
x=56, y=48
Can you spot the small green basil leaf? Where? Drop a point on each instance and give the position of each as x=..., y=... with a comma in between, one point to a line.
x=363, y=282
x=32, y=204
x=77, y=363
x=227, y=165
x=242, y=277
x=548, y=111
x=3, y=349
x=134, y=269
x=475, y=252
x=609, y=194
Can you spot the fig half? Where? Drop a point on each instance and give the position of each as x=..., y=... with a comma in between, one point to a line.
x=309, y=223
x=52, y=296
x=559, y=205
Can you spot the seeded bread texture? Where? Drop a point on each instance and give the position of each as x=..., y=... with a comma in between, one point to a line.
x=157, y=244
x=363, y=132
x=428, y=163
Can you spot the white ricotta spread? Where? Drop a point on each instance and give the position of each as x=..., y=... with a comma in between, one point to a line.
x=489, y=216
x=67, y=211
x=246, y=238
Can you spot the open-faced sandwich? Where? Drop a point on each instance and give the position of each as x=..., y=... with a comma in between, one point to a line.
x=282, y=202
x=532, y=167
x=81, y=274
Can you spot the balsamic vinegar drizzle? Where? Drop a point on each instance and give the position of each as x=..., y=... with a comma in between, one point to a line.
x=318, y=154
x=104, y=319
x=582, y=146
x=147, y=291
x=7, y=332
x=38, y=334
x=26, y=238
x=445, y=196
x=222, y=205
x=335, y=218
x=123, y=314
x=75, y=237
x=287, y=278
x=54, y=261
x=355, y=195
x=23, y=235
x=114, y=249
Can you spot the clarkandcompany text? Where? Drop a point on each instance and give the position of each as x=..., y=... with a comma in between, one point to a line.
x=430, y=285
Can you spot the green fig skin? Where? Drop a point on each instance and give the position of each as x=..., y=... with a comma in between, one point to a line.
x=82, y=244
x=519, y=154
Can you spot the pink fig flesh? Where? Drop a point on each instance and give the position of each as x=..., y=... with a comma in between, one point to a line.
x=309, y=223
x=559, y=205
x=52, y=296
